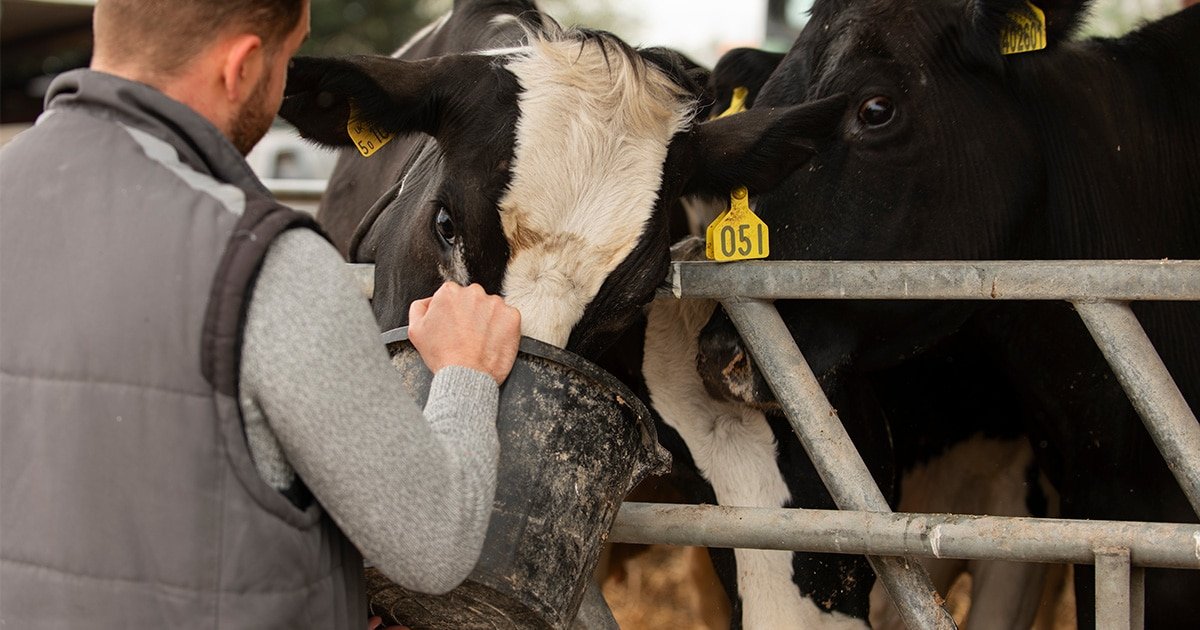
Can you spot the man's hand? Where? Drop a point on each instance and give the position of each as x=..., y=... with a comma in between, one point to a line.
x=465, y=326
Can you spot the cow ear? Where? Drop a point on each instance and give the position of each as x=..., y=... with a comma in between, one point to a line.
x=741, y=67
x=390, y=95
x=757, y=148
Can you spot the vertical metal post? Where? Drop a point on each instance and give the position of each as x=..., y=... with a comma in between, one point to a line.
x=833, y=454
x=1150, y=388
x=1112, y=589
x=1137, y=598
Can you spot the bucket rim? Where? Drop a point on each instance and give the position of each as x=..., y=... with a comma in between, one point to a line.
x=543, y=350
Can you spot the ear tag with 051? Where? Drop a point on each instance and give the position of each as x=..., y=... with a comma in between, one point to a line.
x=366, y=138
x=738, y=234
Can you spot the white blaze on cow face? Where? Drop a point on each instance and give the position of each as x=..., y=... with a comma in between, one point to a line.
x=591, y=141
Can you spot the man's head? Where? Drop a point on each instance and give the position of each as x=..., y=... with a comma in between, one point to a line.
x=227, y=59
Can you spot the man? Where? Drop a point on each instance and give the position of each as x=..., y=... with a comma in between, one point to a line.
x=181, y=373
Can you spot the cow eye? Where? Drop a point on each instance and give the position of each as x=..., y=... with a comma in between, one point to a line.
x=876, y=111
x=443, y=225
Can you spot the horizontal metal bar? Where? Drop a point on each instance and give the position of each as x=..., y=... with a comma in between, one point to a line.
x=1075, y=280
x=1150, y=388
x=1167, y=545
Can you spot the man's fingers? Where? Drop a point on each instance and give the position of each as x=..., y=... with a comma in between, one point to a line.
x=417, y=310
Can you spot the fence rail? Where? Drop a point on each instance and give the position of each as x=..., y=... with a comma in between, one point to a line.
x=1100, y=292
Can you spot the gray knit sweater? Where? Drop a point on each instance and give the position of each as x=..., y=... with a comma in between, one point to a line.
x=320, y=399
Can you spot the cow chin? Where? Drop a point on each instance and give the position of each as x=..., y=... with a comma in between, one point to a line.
x=727, y=369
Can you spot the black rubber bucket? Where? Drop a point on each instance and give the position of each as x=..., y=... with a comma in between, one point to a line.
x=573, y=442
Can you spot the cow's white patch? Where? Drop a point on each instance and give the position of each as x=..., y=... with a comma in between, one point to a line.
x=734, y=449
x=591, y=140
x=429, y=30
x=977, y=476
x=501, y=21
x=456, y=270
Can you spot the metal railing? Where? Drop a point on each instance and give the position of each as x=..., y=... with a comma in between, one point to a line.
x=864, y=524
x=1099, y=290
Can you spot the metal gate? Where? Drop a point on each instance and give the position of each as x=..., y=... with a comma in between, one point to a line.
x=864, y=524
x=1100, y=292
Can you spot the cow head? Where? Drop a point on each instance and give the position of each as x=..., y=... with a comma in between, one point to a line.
x=553, y=165
x=935, y=157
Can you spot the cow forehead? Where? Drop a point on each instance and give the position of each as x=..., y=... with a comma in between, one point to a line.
x=595, y=122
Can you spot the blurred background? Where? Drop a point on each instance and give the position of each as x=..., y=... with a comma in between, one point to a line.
x=41, y=38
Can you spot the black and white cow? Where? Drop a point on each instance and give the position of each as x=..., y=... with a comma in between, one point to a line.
x=960, y=453
x=949, y=150
x=540, y=164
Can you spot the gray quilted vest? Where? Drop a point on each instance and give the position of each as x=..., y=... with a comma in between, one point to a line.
x=130, y=235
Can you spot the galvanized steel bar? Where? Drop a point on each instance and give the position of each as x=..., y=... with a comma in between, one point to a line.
x=1137, y=598
x=833, y=454
x=1129, y=280
x=1018, y=539
x=1112, y=589
x=1150, y=388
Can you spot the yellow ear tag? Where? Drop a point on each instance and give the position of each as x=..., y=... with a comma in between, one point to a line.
x=366, y=138
x=737, y=102
x=1025, y=32
x=737, y=234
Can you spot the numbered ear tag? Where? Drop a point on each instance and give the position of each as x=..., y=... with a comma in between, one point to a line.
x=738, y=234
x=366, y=138
x=1025, y=32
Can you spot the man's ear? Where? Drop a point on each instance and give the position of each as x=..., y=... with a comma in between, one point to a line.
x=244, y=65
x=390, y=95
x=757, y=148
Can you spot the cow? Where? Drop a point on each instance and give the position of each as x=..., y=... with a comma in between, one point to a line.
x=540, y=166
x=949, y=149
x=539, y=162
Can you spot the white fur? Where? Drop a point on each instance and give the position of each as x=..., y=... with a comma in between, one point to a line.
x=734, y=449
x=978, y=476
x=588, y=162
x=457, y=270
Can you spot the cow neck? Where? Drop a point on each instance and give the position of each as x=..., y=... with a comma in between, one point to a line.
x=199, y=143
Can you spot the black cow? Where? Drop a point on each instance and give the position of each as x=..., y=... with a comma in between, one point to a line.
x=547, y=165
x=951, y=150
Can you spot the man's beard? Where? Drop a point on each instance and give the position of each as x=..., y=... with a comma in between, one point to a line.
x=253, y=119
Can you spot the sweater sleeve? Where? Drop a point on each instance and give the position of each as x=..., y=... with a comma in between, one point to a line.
x=413, y=490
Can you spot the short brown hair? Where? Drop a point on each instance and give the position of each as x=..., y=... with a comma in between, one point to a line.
x=163, y=35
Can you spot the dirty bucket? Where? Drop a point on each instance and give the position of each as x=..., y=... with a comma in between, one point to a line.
x=573, y=442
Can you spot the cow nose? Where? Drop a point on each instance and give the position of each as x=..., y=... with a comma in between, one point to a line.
x=727, y=369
